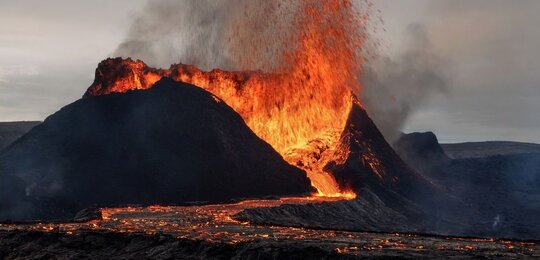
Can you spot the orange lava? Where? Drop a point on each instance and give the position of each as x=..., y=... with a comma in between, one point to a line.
x=306, y=100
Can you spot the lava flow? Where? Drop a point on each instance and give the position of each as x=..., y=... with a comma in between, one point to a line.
x=216, y=223
x=301, y=108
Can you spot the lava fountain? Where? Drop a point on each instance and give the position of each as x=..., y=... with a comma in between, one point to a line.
x=301, y=108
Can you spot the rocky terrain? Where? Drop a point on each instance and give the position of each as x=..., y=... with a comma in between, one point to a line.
x=106, y=245
x=208, y=231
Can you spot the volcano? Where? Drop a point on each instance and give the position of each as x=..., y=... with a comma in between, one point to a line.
x=145, y=136
x=169, y=144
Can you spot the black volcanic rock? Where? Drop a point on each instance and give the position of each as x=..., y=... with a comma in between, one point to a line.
x=170, y=144
x=113, y=245
x=10, y=131
x=366, y=213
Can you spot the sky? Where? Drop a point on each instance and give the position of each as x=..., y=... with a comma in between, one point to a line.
x=486, y=51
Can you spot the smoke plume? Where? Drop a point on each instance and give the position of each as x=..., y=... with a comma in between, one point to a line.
x=395, y=87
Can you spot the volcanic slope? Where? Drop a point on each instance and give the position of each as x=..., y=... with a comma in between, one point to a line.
x=170, y=144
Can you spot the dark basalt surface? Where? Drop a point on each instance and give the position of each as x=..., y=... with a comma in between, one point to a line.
x=107, y=245
x=366, y=213
x=170, y=144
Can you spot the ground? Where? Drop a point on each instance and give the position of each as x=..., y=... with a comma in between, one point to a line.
x=208, y=231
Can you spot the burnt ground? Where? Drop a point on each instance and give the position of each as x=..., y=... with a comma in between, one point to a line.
x=103, y=245
x=210, y=231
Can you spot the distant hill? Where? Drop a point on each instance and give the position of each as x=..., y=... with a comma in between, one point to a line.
x=486, y=149
x=10, y=131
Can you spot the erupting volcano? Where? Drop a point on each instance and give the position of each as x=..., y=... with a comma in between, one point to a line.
x=306, y=108
x=298, y=117
x=300, y=109
x=303, y=108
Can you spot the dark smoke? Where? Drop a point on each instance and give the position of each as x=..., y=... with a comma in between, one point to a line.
x=395, y=87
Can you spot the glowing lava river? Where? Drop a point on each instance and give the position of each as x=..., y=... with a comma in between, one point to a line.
x=214, y=224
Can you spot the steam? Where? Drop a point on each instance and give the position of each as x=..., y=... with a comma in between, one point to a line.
x=394, y=88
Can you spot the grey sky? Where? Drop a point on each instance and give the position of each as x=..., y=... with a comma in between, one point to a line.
x=49, y=50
